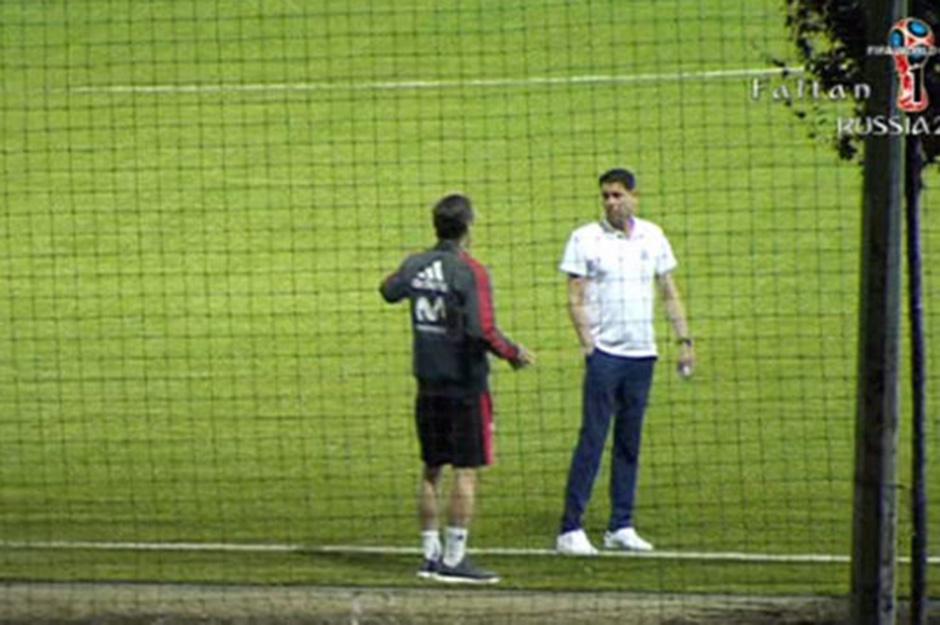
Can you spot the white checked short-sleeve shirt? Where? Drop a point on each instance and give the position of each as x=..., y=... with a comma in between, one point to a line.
x=621, y=272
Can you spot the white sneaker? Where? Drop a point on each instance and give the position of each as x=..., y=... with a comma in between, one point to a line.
x=626, y=538
x=574, y=543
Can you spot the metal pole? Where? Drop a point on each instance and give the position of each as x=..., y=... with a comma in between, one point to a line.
x=914, y=165
x=876, y=432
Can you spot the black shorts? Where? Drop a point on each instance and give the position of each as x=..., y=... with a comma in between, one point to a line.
x=455, y=430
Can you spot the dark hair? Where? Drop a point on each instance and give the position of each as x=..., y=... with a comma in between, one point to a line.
x=623, y=176
x=453, y=215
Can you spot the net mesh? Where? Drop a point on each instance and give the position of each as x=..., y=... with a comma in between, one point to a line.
x=201, y=383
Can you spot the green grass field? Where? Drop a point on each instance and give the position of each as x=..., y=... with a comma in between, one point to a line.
x=200, y=199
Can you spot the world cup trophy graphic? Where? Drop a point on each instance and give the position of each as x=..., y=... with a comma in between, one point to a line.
x=912, y=42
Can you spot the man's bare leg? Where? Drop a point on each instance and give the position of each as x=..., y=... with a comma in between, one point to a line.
x=428, y=513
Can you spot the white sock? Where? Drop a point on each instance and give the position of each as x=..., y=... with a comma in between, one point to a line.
x=455, y=546
x=431, y=544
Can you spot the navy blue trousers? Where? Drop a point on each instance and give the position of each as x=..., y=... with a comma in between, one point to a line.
x=618, y=387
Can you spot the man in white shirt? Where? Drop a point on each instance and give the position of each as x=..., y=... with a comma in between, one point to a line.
x=612, y=266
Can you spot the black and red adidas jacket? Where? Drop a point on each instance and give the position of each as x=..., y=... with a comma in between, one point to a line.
x=452, y=319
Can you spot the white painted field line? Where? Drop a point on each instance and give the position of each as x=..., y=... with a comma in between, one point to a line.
x=712, y=556
x=651, y=555
x=79, y=545
x=411, y=85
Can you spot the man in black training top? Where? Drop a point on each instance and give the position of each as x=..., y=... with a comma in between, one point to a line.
x=453, y=327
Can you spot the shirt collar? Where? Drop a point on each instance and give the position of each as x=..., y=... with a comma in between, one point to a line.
x=446, y=245
x=609, y=229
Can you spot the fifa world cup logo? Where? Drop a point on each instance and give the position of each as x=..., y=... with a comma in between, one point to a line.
x=912, y=43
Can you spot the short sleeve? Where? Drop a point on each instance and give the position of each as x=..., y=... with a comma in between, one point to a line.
x=574, y=261
x=665, y=259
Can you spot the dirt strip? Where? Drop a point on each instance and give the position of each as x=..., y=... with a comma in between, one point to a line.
x=165, y=604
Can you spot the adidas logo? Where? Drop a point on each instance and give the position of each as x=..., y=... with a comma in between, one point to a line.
x=431, y=278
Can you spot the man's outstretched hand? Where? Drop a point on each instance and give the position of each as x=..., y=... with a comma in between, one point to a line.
x=524, y=359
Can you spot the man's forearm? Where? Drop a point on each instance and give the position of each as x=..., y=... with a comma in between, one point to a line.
x=676, y=313
x=577, y=310
x=582, y=325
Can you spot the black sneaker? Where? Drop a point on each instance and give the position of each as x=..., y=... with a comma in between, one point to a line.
x=429, y=568
x=465, y=573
